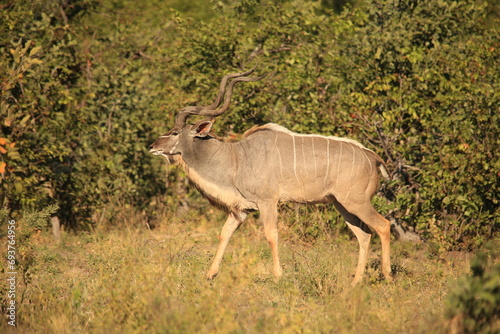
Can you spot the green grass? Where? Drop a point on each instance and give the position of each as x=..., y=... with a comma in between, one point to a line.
x=140, y=281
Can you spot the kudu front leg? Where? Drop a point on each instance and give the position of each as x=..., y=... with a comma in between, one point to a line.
x=269, y=216
x=233, y=221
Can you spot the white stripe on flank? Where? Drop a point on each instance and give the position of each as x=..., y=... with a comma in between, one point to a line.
x=295, y=158
x=369, y=161
x=352, y=169
x=304, y=158
x=315, y=162
x=279, y=155
x=338, y=164
x=327, y=161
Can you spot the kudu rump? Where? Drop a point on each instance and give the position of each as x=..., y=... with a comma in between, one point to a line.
x=271, y=165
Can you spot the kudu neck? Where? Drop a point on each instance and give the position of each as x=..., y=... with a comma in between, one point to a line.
x=208, y=151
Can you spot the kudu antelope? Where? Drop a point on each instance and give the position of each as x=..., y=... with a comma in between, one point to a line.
x=271, y=165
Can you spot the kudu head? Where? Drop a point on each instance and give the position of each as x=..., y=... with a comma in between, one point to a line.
x=172, y=143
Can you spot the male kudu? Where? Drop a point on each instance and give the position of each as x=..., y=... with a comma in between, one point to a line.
x=271, y=165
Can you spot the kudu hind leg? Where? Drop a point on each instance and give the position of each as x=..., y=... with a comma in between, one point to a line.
x=382, y=226
x=363, y=234
x=233, y=221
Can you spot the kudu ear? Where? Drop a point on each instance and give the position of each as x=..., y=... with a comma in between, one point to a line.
x=202, y=128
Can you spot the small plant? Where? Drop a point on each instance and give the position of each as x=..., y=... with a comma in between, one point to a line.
x=37, y=220
x=475, y=306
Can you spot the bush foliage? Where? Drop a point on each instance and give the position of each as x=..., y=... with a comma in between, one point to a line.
x=87, y=86
x=475, y=306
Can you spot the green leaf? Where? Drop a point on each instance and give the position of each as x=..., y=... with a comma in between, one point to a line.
x=35, y=50
x=24, y=120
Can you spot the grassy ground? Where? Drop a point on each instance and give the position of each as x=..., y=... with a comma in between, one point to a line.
x=136, y=280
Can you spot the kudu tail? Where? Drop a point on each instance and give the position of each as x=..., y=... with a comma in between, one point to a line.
x=380, y=164
x=383, y=170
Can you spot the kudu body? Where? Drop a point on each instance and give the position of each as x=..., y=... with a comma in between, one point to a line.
x=271, y=165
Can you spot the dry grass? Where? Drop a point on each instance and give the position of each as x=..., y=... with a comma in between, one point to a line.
x=142, y=281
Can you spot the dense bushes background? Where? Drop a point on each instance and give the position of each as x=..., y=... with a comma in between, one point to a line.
x=87, y=85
